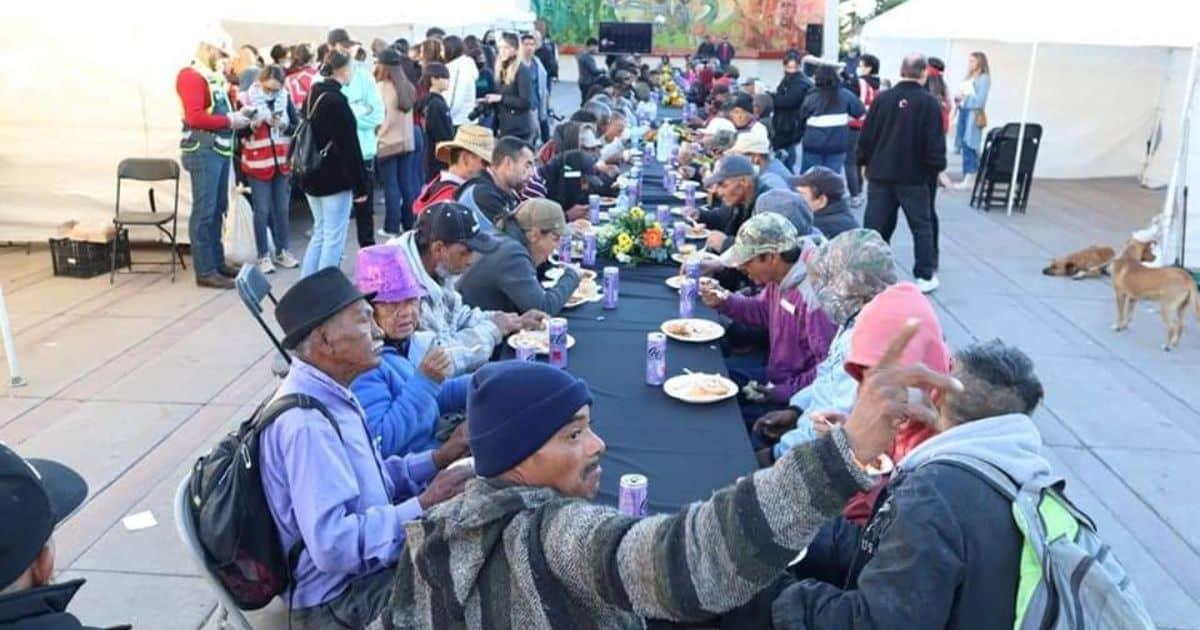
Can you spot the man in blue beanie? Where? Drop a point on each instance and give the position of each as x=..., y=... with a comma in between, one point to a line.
x=523, y=548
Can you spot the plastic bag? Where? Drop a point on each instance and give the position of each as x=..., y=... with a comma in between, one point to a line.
x=238, y=231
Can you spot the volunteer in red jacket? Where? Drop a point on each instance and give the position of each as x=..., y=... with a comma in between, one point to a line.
x=265, y=165
x=467, y=154
x=206, y=148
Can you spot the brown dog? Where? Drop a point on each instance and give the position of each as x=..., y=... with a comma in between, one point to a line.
x=1085, y=263
x=1173, y=288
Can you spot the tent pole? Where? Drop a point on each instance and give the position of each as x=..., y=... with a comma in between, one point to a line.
x=1169, y=201
x=1012, y=184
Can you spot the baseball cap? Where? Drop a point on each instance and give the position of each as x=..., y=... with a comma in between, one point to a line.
x=339, y=36
x=789, y=205
x=765, y=233
x=37, y=495
x=451, y=222
x=742, y=101
x=753, y=142
x=541, y=214
x=824, y=182
x=717, y=125
x=730, y=166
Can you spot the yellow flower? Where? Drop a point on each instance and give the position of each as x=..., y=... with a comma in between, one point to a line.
x=625, y=241
x=637, y=213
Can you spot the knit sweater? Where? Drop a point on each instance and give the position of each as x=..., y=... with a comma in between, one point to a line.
x=509, y=556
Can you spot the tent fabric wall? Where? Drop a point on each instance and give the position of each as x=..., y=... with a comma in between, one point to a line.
x=81, y=94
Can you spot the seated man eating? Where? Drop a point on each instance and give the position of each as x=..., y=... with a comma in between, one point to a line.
x=768, y=250
x=524, y=548
x=411, y=389
x=329, y=489
x=506, y=278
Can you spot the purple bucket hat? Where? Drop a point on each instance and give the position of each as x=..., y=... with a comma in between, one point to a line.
x=384, y=270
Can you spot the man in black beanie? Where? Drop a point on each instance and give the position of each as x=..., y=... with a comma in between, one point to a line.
x=523, y=548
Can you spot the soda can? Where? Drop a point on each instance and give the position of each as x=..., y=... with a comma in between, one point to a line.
x=558, y=342
x=589, y=249
x=648, y=153
x=564, y=248
x=656, y=358
x=669, y=180
x=594, y=209
x=526, y=353
x=612, y=287
x=691, y=269
x=689, y=190
x=663, y=214
x=687, y=297
x=631, y=499
x=679, y=235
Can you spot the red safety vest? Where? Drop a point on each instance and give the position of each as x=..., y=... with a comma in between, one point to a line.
x=868, y=94
x=263, y=157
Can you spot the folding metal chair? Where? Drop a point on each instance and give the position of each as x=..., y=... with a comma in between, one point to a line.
x=148, y=170
x=253, y=287
x=997, y=164
x=274, y=616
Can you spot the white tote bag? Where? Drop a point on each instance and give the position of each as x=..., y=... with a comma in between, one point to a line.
x=238, y=231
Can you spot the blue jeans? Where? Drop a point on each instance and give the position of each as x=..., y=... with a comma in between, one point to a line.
x=209, y=173
x=394, y=199
x=331, y=218
x=412, y=175
x=960, y=129
x=270, y=200
x=834, y=161
x=970, y=160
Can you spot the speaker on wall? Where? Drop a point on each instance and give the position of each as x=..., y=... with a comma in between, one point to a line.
x=814, y=39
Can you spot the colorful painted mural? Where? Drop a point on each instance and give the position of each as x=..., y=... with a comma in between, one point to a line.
x=753, y=26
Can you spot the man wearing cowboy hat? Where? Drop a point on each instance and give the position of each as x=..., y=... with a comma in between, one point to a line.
x=331, y=489
x=467, y=154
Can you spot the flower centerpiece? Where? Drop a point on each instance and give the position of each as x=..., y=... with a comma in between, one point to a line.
x=634, y=237
x=672, y=93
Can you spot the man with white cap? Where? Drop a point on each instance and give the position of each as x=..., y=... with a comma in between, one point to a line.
x=756, y=146
x=206, y=147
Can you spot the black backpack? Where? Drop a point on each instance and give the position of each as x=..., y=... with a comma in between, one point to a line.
x=304, y=156
x=229, y=508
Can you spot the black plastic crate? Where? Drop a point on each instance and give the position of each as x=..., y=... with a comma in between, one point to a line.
x=81, y=259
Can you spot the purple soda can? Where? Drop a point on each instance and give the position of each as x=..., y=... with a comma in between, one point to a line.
x=648, y=153
x=631, y=499
x=526, y=353
x=687, y=298
x=564, y=248
x=589, y=249
x=679, y=235
x=689, y=190
x=612, y=287
x=558, y=342
x=663, y=214
x=669, y=180
x=691, y=269
x=656, y=358
x=594, y=209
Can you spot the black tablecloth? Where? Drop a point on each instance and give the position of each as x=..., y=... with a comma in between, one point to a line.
x=687, y=451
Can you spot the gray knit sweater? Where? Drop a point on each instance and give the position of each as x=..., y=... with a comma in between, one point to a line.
x=508, y=556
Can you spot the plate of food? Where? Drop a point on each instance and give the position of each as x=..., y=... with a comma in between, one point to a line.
x=700, y=388
x=539, y=340
x=692, y=330
x=581, y=226
x=608, y=201
x=554, y=273
x=690, y=251
x=696, y=232
x=679, y=194
x=587, y=291
x=676, y=282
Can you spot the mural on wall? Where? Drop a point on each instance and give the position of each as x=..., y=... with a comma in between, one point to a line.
x=753, y=26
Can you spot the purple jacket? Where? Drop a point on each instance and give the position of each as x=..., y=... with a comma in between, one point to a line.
x=347, y=503
x=799, y=337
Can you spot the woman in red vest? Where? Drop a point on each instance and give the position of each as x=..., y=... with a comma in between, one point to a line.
x=265, y=164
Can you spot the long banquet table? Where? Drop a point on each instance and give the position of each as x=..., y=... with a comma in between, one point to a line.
x=687, y=451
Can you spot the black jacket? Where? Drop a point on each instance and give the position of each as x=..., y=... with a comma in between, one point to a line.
x=485, y=198
x=516, y=99
x=834, y=219
x=788, y=100
x=941, y=551
x=706, y=50
x=548, y=55
x=505, y=279
x=589, y=70
x=826, y=122
x=902, y=141
x=438, y=128
x=333, y=124
x=43, y=608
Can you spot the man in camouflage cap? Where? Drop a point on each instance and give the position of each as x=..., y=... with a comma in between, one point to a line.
x=769, y=250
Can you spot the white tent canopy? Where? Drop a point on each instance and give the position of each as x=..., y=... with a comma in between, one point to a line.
x=1109, y=85
x=82, y=92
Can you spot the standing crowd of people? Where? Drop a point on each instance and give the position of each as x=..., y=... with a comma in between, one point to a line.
x=870, y=430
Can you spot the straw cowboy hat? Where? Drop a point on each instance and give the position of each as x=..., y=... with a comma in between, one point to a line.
x=474, y=138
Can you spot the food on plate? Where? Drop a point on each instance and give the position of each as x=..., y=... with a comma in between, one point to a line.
x=697, y=230
x=683, y=328
x=687, y=249
x=587, y=291
x=707, y=386
x=608, y=201
x=538, y=340
x=581, y=226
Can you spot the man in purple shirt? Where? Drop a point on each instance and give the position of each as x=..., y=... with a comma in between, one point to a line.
x=335, y=493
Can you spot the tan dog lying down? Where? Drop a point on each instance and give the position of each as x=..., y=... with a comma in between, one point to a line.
x=1085, y=263
x=1173, y=288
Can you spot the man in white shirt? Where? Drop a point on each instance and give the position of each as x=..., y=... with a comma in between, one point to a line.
x=463, y=74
